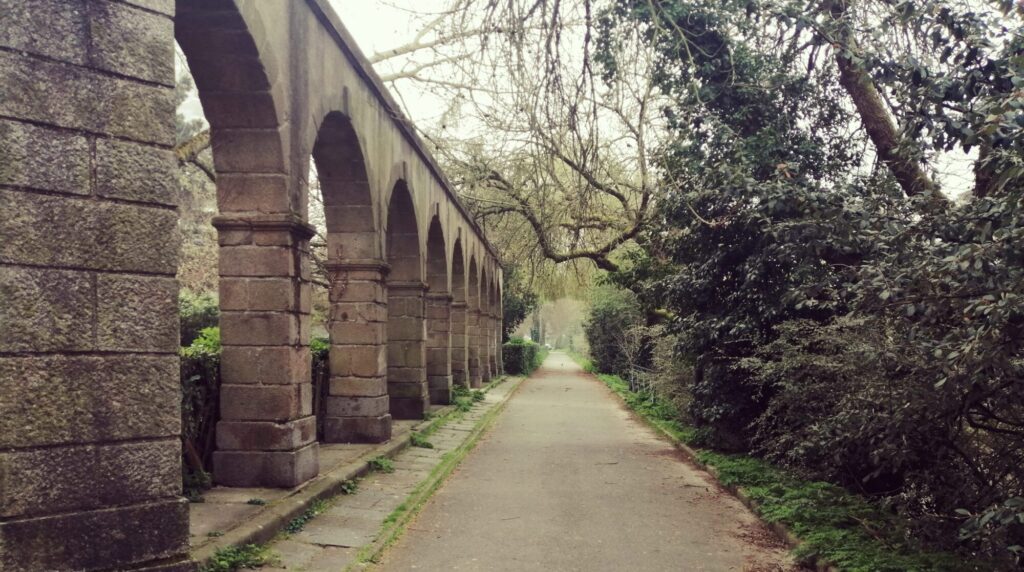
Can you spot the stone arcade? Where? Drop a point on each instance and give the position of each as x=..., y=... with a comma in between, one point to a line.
x=89, y=390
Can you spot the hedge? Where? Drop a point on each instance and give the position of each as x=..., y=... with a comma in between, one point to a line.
x=521, y=356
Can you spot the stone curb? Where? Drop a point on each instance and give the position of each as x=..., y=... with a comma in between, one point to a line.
x=780, y=530
x=265, y=525
x=426, y=488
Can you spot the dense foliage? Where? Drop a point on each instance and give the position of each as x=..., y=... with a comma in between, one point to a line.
x=517, y=301
x=200, y=392
x=521, y=357
x=841, y=316
x=614, y=313
x=196, y=312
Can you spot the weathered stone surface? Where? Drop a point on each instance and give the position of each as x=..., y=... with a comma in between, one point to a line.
x=355, y=333
x=268, y=365
x=406, y=354
x=357, y=429
x=163, y=6
x=406, y=374
x=358, y=386
x=266, y=402
x=408, y=407
x=73, y=97
x=83, y=399
x=46, y=310
x=245, y=192
x=137, y=313
x=257, y=261
x=267, y=294
x=136, y=172
x=112, y=538
x=266, y=468
x=266, y=436
x=259, y=329
x=407, y=388
x=64, y=479
x=42, y=158
x=59, y=231
x=67, y=36
x=440, y=389
x=131, y=42
x=359, y=361
x=335, y=406
x=250, y=151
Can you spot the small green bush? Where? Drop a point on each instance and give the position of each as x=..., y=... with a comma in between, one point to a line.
x=200, y=391
x=197, y=312
x=382, y=465
x=521, y=356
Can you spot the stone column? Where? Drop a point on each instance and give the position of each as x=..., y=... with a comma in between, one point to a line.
x=460, y=353
x=407, y=350
x=484, y=341
x=499, y=326
x=473, y=341
x=356, y=406
x=267, y=432
x=90, y=422
x=496, y=343
x=439, y=347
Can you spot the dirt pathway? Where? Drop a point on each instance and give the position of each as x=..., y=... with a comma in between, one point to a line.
x=569, y=480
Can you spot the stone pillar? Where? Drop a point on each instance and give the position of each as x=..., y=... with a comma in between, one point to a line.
x=484, y=341
x=439, y=347
x=460, y=353
x=407, y=350
x=90, y=450
x=498, y=327
x=473, y=341
x=356, y=407
x=496, y=344
x=267, y=432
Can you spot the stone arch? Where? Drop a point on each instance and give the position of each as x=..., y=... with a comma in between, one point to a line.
x=266, y=435
x=354, y=403
x=438, y=315
x=406, y=334
x=460, y=357
x=473, y=321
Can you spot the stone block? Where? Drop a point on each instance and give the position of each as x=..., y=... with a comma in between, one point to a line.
x=357, y=429
x=360, y=312
x=358, y=386
x=229, y=73
x=268, y=365
x=406, y=329
x=355, y=333
x=42, y=230
x=244, y=110
x=257, y=261
x=77, y=98
x=280, y=469
x=259, y=294
x=137, y=313
x=165, y=7
x=132, y=42
x=440, y=389
x=250, y=151
x=266, y=402
x=46, y=310
x=259, y=193
x=408, y=407
x=136, y=172
x=401, y=306
x=358, y=291
x=335, y=406
x=53, y=479
x=259, y=329
x=67, y=32
x=265, y=435
x=107, y=539
x=353, y=218
x=407, y=374
x=406, y=354
x=407, y=389
x=42, y=158
x=55, y=400
x=359, y=361
x=438, y=361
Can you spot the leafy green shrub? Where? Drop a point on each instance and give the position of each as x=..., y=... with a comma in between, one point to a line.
x=521, y=356
x=613, y=311
x=382, y=465
x=418, y=440
x=319, y=348
x=200, y=408
x=196, y=312
x=235, y=558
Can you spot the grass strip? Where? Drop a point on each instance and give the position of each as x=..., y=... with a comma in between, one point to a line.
x=831, y=526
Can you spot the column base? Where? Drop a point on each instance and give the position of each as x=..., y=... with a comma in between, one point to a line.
x=357, y=429
x=440, y=387
x=408, y=407
x=279, y=469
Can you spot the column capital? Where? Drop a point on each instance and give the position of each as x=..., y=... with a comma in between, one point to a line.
x=412, y=285
x=288, y=222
